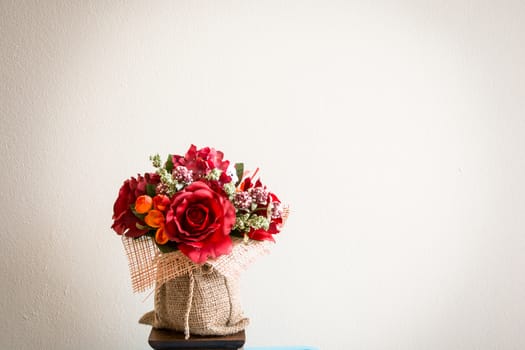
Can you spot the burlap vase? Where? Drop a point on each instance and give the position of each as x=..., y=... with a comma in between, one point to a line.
x=202, y=302
x=192, y=298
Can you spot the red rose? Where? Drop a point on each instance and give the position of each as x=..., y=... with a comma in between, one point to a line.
x=124, y=221
x=200, y=220
x=202, y=160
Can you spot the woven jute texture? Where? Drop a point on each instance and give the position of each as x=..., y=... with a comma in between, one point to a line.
x=193, y=298
x=149, y=267
x=202, y=302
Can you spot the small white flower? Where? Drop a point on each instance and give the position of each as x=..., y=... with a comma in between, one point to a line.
x=232, y=172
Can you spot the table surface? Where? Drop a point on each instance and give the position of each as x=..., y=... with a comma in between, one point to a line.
x=167, y=339
x=162, y=339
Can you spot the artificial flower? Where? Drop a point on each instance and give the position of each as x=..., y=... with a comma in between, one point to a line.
x=200, y=221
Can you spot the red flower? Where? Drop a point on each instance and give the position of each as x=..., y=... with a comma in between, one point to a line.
x=275, y=223
x=200, y=220
x=202, y=160
x=161, y=202
x=124, y=221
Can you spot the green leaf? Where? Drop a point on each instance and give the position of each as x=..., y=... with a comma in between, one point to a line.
x=140, y=216
x=168, y=247
x=150, y=190
x=141, y=227
x=239, y=169
x=237, y=233
x=169, y=164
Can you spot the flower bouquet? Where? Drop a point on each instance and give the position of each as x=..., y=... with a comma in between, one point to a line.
x=189, y=229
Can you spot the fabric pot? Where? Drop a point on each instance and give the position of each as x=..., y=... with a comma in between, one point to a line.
x=203, y=302
x=192, y=298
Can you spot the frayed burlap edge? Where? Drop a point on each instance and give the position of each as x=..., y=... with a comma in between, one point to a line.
x=149, y=267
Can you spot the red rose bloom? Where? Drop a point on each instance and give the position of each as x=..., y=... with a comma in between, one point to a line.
x=124, y=221
x=200, y=220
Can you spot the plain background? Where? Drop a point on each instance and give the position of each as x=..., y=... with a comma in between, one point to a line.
x=394, y=129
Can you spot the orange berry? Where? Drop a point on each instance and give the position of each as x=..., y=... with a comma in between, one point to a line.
x=160, y=236
x=143, y=204
x=155, y=218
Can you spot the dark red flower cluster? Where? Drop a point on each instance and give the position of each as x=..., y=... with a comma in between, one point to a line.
x=202, y=161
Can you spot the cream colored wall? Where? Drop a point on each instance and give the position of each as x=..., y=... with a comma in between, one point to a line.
x=395, y=130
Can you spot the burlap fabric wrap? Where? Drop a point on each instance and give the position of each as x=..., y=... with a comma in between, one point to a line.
x=192, y=298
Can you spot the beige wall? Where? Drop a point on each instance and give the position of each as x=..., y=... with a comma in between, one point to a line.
x=395, y=130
